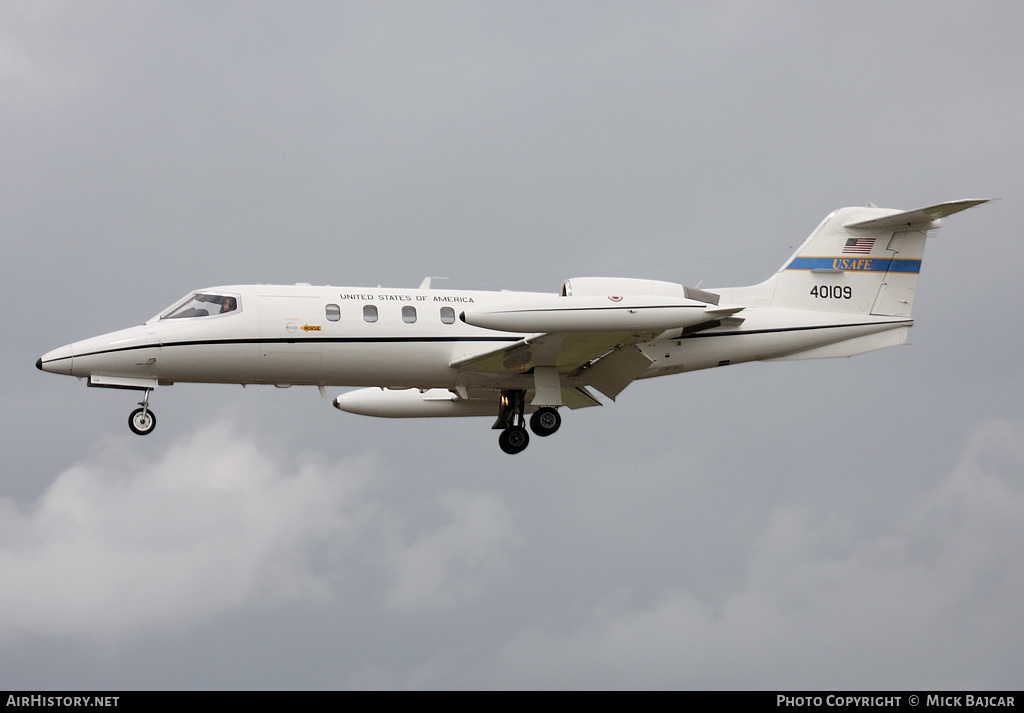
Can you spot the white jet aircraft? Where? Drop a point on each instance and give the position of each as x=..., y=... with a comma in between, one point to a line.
x=428, y=352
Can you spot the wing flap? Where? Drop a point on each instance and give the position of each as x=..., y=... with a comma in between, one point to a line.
x=578, y=397
x=616, y=370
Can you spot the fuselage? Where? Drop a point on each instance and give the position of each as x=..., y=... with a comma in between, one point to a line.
x=398, y=338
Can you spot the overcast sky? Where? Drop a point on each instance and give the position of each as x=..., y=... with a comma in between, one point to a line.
x=851, y=523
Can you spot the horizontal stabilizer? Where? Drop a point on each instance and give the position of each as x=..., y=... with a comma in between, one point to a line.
x=919, y=216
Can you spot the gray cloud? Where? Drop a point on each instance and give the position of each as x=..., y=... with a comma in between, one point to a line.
x=823, y=606
x=119, y=549
x=447, y=566
x=121, y=546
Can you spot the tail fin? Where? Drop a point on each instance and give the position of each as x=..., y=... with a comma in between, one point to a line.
x=861, y=260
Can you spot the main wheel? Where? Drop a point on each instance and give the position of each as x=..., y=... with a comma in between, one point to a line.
x=514, y=439
x=545, y=421
x=142, y=421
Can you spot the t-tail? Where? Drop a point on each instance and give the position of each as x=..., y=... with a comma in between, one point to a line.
x=860, y=261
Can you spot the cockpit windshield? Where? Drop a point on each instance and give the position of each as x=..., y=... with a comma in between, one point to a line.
x=203, y=305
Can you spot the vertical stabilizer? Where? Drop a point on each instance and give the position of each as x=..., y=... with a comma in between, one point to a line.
x=861, y=261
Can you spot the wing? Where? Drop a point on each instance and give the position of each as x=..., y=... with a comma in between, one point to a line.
x=583, y=340
x=608, y=361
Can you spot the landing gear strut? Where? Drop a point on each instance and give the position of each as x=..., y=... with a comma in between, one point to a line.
x=514, y=437
x=142, y=421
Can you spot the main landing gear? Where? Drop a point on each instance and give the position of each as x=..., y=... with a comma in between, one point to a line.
x=545, y=421
x=514, y=437
x=142, y=421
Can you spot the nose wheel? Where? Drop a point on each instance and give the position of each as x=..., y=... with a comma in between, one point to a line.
x=142, y=421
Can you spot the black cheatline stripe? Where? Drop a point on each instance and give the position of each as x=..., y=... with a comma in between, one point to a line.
x=594, y=309
x=300, y=340
x=401, y=340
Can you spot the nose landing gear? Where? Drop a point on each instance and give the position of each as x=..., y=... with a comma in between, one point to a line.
x=142, y=421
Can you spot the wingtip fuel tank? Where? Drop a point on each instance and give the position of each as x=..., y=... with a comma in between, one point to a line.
x=411, y=403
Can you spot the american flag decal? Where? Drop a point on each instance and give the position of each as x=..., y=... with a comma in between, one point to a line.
x=859, y=246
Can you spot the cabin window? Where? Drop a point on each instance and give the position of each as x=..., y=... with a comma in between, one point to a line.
x=448, y=315
x=333, y=313
x=203, y=305
x=370, y=313
x=409, y=315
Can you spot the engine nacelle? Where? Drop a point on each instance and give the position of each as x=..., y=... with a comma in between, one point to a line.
x=607, y=313
x=597, y=286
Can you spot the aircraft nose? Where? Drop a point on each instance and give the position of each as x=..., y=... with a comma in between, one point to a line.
x=56, y=362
